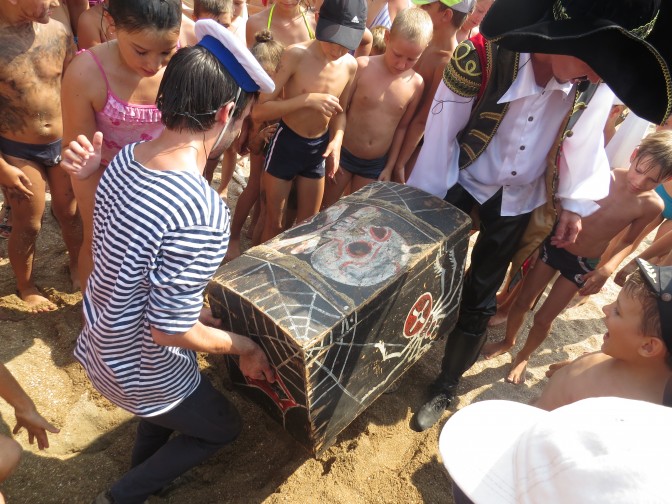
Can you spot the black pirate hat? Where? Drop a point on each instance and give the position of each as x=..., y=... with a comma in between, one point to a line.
x=627, y=42
x=659, y=280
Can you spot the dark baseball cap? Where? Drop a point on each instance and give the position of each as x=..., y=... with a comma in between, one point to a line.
x=342, y=22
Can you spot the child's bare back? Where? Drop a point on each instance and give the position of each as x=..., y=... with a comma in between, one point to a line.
x=599, y=375
x=379, y=100
x=624, y=206
x=32, y=61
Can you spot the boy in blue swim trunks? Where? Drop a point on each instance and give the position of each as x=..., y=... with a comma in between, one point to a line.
x=317, y=77
x=385, y=96
x=632, y=204
x=36, y=50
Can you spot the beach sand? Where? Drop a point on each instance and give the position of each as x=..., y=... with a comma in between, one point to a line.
x=377, y=459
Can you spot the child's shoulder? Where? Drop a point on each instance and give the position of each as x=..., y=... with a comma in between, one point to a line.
x=85, y=69
x=88, y=59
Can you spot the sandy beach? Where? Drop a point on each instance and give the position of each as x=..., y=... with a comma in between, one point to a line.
x=377, y=459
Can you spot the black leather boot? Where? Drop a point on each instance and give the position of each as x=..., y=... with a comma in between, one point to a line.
x=462, y=351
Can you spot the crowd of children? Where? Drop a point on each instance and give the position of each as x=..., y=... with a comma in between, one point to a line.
x=352, y=94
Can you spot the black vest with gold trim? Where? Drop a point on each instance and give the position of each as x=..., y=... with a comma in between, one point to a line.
x=483, y=71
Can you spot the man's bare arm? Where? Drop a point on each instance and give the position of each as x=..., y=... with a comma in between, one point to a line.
x=202, y=338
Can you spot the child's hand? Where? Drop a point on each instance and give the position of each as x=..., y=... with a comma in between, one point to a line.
x=332, y=157
x=325, y=103
x=622, y=275
x=554, y=367
x=264, y=136
x=82, y=158
x=594, y=281
x=36, y=425
x=385, y=175
x=399, y=174
x=14, y=181
x=568, y=228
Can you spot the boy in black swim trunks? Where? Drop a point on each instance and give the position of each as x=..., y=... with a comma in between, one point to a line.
x=385, y=96
x=36, y=50
x=317, y=77
x=631, y=205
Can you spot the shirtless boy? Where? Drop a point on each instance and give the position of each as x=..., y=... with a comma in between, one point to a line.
x=635, y=360
x=631, y=205
x=384, y=97
x=448, y=16
x=287, y=20
x=36, y=50
x=317, y=77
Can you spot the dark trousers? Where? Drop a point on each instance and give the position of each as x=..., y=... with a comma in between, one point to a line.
x=495, y=246
x=205, y=421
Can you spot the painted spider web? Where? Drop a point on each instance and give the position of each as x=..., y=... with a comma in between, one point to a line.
x=320, y=344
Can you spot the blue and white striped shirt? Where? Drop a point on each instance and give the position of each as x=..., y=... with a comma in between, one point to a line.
x=158, y=238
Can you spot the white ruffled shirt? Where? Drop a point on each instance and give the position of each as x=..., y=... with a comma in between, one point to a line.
x=515, y=159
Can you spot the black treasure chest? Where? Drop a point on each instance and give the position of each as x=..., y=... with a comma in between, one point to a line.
x=345, y=303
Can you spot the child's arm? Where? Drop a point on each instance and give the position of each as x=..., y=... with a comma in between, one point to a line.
x=15, y=182
x=77, y=96
x=76, y=8
x=660, y=247
x=416, y=128
x=400, y=134
x=88, y=32
x=259, y=140
x=24, y=410
x=620, y=249
x=271, y=108
x=337, y=127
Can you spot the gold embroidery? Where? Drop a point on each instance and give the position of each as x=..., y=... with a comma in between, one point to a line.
x=480, y=135
x=462, y=74
x=560, y=14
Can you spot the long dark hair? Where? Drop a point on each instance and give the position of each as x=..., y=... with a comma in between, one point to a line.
x=137, y=15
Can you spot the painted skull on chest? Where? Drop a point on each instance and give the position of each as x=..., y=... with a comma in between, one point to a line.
x=360, y=251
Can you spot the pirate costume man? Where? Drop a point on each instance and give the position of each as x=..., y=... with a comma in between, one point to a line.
x=523, y=155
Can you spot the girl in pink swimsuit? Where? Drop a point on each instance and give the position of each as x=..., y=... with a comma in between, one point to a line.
x=111, y=88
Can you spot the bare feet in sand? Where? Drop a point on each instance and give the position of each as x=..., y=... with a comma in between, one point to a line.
x=492, y=350
x=498, y=318
x=35, y=301
x=233, y=251
x=517, y=372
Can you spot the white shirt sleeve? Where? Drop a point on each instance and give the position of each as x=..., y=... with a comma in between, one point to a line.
x=584, y=168
x=436, y=169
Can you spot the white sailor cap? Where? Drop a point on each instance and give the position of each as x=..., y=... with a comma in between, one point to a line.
x=235, y=57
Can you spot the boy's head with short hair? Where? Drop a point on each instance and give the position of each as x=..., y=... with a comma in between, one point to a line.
x=459, y=9
x=219, y=10
x=409, y=35
x=652, y=163
x=414, y=25
x=380, y=34
x=637, y=321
